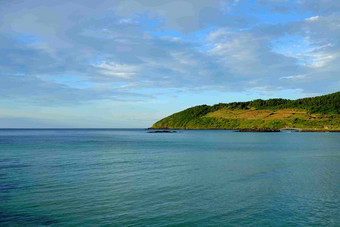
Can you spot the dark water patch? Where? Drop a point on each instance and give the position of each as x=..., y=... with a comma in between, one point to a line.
x=23, y=219
x=5, y=160
x=7, y=187
x=14, y=166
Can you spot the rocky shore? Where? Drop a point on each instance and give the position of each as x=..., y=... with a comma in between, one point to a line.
x=162, y=131
x=259, y=130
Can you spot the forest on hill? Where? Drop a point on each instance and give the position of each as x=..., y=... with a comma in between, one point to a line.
x=321, y=112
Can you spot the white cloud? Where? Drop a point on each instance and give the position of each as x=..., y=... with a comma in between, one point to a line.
x=117, y=70
x=320, y=60
x=297, y=77
x=312, y=18
x=126, y=21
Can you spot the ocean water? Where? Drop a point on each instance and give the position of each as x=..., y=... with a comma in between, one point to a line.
x=128, y=177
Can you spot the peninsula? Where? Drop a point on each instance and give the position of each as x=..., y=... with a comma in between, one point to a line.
x=321, y=113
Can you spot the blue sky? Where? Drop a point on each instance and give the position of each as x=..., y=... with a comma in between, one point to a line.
x=129, y=63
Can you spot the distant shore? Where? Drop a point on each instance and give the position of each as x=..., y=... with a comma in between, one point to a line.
x=256, y=129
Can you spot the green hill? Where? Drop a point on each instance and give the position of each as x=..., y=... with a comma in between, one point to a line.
x=317, y=113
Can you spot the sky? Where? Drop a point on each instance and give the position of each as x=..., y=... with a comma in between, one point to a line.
x=129, y=63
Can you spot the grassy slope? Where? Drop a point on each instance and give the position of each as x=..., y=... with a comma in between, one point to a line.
x=321, y=112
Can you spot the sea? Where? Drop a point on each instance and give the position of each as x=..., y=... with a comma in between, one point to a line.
x=129, y=177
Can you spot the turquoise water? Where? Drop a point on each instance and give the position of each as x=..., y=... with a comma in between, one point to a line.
x=126, y=177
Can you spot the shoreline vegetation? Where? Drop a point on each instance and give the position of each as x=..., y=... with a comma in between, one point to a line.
x=165, y=130
x=317, y=114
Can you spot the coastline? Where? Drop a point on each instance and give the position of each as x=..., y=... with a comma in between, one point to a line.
x=255, y=129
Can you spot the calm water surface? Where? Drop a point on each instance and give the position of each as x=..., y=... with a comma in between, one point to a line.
x=127, y=177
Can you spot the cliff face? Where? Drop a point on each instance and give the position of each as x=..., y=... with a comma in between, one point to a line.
x=322, y=112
